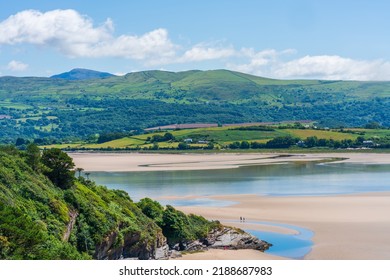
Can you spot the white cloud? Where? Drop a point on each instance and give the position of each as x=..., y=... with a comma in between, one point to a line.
x=17, y=66
x=334, y=68
x=271, y=63
x=75, y=35
x=201, y=52
x=260, y=62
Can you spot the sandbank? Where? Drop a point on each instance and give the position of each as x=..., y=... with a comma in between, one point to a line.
x=345, y=226
x=120, y=162
x=220, y=254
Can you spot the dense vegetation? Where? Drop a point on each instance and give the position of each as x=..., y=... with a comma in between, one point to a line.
x=277, y=136
x=176, y=226
x=52, y=109
x=43, y=218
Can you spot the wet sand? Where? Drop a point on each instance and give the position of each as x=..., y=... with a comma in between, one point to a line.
x=345, y=226
x=117, y=162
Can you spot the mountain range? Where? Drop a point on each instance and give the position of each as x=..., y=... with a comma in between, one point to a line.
x=84, y=102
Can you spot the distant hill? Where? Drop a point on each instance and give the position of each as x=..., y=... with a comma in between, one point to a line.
x=83, y=107
x=82, y=74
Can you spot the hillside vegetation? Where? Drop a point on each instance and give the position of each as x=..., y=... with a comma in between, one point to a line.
x=236, y=137
x=59, y=108
x=42, y=218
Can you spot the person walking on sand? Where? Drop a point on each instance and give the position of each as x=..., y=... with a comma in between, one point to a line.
x=240, y=219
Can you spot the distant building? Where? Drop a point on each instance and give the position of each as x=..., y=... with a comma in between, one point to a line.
x=188, y=140
x=301, y=143
x=2, y=117
x=368, y=143
x=203, y=142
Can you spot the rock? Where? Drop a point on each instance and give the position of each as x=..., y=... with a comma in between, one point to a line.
x=161, y=252
x=196, y=245
x=132, y=247
x=173, y=254
x=233, y=238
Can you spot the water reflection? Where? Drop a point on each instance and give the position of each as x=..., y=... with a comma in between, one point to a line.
x=277, y=180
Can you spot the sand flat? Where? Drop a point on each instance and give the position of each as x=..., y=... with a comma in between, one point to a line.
x=117, y=162
x=220, y=254
x=345, y=226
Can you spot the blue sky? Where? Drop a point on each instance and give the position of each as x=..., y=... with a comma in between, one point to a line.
x=279, y=39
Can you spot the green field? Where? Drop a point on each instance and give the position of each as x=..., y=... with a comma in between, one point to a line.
x=324, y=134
x=223, y=136
x=82, y=108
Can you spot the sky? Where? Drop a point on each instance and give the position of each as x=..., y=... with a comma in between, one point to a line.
x=290, y=39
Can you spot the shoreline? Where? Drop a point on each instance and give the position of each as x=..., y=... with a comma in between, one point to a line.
x=132, y=162
x=345, y=226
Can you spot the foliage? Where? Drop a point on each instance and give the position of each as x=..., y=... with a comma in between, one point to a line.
x=152, y=209
x=59, y=167
x=33, y=156
x=282, y=142
x=55, y=109
x=35, y=214
x=372, y=125
x=105, y=137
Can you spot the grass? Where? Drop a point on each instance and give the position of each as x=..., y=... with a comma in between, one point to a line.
x=222, y=136
x=320, y=134
x=372, y=133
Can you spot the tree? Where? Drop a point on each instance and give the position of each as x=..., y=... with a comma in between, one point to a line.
x=20, y=142
x=245, y=145
x=59, y=167
x=79, y=170
x=152, y=209
x=311, y=141
x=33, y=156
x=182, y=146
x=372, y=125
x=282, y=142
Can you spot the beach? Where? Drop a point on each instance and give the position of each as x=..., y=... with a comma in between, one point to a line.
x=118, y=162
x=344, y=226
x=355, y=226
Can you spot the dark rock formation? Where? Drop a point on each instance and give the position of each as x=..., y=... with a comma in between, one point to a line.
x=223, y=238
x=232, y=238
x=132, y=247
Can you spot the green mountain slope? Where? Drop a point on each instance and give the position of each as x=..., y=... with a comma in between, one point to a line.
x=39, y=220
x=58, y=108
x=82, y=74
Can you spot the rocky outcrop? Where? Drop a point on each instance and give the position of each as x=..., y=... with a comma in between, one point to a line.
x=72, y=220
x=133, y=247
x=232, y=238
x=222, y=238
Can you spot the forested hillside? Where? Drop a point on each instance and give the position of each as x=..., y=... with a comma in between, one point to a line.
x=48, y=213
x=59, y=108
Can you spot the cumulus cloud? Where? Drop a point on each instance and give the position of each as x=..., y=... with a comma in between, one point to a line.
x=334, y=68
x=201, y=52
x=271, y=63
x=75, y=35
x=261, y=63
x=17, y=66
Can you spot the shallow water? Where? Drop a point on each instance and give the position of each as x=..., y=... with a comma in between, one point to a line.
x=293, y=179
x=294, y=246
